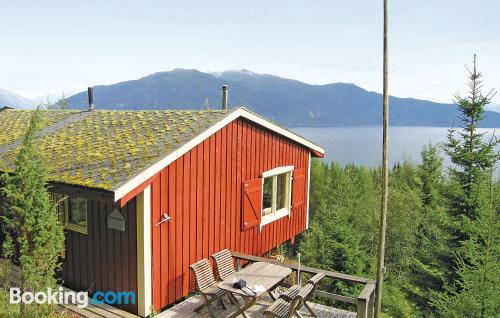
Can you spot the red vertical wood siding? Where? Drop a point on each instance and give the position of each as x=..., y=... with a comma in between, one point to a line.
x=201, y=191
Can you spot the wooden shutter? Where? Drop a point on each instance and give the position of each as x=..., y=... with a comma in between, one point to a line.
x=298, y=187
x=251, y=208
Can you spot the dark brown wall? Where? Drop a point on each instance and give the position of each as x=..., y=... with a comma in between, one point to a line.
x=1, y=213
x=104, y=259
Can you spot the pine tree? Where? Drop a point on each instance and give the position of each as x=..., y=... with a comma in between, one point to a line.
x=431, y=175
x=431, y=260
x=63, y=103
x=474, y=291
x=471, y=155
x=31, y=223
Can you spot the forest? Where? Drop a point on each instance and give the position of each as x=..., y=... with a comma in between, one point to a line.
x=442, y=244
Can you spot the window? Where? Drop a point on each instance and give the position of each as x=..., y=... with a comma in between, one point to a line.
x=61, y=201
x=76, y=215
x=276, y=194
x=267, y=196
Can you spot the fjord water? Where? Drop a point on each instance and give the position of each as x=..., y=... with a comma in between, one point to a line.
x=363, y=145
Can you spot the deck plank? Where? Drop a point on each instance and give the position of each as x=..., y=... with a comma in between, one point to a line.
x=91, y=311
x=185, y=310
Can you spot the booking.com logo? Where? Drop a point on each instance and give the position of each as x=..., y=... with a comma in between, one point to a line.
x=80, y=299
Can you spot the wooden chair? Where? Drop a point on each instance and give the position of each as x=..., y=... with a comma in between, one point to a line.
x=290, y=294
x=224, y=262
x=207, y=286
x=281, y=308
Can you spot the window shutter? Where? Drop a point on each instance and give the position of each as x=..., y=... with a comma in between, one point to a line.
x=251, y=203
x=298, y=186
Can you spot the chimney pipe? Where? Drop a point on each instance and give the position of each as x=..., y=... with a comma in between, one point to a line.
x=224, y=97
x=90, y=94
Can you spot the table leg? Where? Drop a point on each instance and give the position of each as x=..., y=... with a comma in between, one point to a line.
x=249, y=302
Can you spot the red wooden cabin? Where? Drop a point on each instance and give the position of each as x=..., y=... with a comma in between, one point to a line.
x=140, y=211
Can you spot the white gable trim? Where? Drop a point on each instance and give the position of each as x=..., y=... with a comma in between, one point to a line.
x=308, y=190
x=144, y=262
x=240, y=112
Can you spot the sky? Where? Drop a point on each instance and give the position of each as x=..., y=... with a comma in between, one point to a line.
x=50, y=47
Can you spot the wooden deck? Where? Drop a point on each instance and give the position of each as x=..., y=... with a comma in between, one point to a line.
x=185, y=310
x=98, y=311
x=91, y=311
x=363, y=303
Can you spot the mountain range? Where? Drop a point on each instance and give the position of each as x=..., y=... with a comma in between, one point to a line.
x=13, y=100
x=290, y=102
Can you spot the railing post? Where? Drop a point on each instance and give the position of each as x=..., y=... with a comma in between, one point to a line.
x=238, y=264
x=361, y=309
x=364, y=307
x=371, y=303
x=299, y=281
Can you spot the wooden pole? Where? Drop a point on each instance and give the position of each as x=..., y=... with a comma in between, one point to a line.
x=385, y=176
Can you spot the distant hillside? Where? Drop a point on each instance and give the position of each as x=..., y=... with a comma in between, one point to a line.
x=289, y=102
x=493, y=107
x=10, y=99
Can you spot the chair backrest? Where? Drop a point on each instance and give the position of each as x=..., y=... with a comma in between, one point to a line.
x=299, y=299
x=204, y=274
x=316, y=278
x=314, y=281
x=224, y=262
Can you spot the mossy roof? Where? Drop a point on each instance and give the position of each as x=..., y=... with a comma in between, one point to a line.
x=13, y=123
x=103, y=149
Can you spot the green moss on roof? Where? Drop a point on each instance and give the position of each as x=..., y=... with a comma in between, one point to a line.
x=107, y=148
x=14, y=123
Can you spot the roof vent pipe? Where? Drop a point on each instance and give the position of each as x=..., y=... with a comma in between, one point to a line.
x=90, y=94
x=224, y=97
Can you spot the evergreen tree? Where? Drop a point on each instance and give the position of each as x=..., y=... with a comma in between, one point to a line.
x=432, y=260
x=474, y=291
x=431, y=175
x=63, y=103
x=31, y=226
x=471, y=155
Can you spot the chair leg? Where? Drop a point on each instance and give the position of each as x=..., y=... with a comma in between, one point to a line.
x=221, y=302
x=200, y=307
x=211, y=311
x=310, y=309
x=233, y=299
x=205, y=303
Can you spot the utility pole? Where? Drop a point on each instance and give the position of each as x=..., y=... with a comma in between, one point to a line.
x=385, y=177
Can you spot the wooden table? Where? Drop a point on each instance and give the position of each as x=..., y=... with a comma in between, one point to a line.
x=266, y=275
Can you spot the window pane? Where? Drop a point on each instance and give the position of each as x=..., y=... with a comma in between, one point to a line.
x=281, y=195
x=267, y=196
x=77, y=213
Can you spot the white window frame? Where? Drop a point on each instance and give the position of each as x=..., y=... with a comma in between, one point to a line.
x=277, y=214
x=71, y=226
